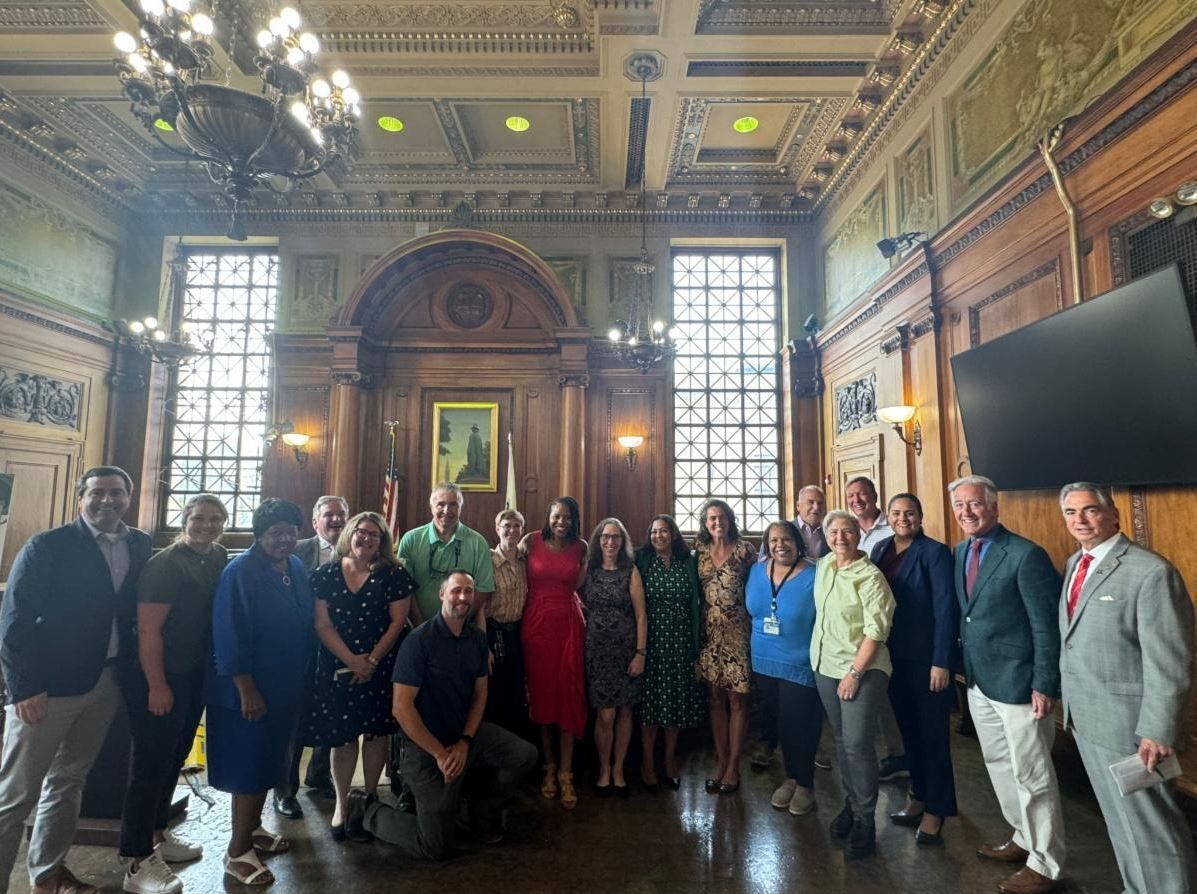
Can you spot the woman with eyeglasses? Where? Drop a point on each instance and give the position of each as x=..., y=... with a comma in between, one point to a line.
x=362, y=602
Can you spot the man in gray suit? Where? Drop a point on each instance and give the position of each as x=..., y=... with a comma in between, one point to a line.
x=1127, y=628
x=328, y=520
x=1008, y=588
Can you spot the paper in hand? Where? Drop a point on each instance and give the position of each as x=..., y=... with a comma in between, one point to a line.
x=1131, y=774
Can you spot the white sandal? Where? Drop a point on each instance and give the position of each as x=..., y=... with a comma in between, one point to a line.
x=255, y=878
x=269, y=843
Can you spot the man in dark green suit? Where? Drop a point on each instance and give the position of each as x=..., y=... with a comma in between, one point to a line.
x=1008, y=591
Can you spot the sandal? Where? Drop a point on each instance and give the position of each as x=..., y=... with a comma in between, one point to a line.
x=548, y=788
x=569, y=797
x=269, y=843
x=260, y=876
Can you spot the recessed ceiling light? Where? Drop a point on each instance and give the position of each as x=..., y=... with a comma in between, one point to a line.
x=747, y=124
x=518, y=123
x=163, y=124
x=390, y=124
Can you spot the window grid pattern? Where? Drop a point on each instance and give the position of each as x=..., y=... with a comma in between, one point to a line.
x=726, y=403
x=221, y=398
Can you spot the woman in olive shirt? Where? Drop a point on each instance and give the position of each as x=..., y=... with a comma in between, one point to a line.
x=164, y=692
x=854, y=609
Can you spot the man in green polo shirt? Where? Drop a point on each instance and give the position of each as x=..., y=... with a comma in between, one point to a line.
x=444, y=545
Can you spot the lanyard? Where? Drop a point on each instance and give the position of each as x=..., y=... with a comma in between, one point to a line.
x=776, y=588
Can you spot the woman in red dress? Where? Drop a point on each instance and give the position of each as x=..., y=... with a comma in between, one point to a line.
x=553, y=635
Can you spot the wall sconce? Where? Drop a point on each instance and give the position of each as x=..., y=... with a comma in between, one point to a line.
x=898, y=417
x=630, y=443
x=286, y=432
x=891, y=245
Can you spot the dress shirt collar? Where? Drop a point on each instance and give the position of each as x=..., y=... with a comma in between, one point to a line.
x=121, y=532
x=435, y=537
x=1102, y=549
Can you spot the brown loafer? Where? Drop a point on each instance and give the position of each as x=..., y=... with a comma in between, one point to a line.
x=1003, y=853
x=1028, y=881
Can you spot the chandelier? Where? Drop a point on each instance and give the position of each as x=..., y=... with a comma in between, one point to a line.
x=639, y=340
x=293, y=129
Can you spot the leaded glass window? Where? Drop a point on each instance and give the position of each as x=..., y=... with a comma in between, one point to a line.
x=220, y=399
x=726, y=391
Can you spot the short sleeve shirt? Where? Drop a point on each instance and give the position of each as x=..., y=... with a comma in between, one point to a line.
x=185, y=580
x=444, y=668
x=430, y=559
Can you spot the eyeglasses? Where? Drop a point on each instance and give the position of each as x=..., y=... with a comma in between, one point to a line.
x=363, y=534
x=448, y=563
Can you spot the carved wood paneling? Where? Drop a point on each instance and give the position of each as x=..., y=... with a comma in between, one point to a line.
x=856, y=404
x=39, y=399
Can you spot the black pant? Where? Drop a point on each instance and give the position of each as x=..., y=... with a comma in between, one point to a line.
x=319, y=774
x=800, y=722
x=766, y=693
x=506, y=700
x=923, y=718
x=160, y=746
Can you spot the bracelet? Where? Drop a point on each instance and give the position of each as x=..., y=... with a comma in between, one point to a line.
x=467, y=738
x=854, y=673
x=372, y=660
x=641, y=651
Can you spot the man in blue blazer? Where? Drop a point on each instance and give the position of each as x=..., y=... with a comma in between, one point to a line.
x=67, y=620
x=1008, y=588
x=1126, y=622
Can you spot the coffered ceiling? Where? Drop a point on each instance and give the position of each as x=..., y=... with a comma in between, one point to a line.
x=817, y=77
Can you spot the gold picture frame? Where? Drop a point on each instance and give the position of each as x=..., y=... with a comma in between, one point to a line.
x=465, y=445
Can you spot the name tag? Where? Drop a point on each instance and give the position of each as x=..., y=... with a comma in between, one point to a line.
x=771, y=627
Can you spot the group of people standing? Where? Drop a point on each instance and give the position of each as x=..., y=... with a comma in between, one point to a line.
x=855, y=617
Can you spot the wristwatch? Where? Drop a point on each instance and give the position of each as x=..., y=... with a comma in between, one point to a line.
x=467, y=738
x=855, y=674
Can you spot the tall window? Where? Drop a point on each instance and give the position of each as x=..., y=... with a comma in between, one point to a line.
x=228, y=301
x=726, y=398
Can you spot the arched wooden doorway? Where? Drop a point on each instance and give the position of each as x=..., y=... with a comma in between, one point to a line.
x=458, y=316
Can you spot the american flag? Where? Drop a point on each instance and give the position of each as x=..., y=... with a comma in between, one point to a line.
x=390, y=490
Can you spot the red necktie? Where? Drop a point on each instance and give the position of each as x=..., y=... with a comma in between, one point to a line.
x=973, y=566
x=1078, y=581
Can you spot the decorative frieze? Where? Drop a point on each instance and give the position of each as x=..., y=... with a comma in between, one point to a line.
x=856, y=404
x=33, y=397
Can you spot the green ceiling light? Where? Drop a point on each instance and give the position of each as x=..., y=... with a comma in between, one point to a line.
x=747, y=124
x=390, y=124
x=163, y=124
x=518, y=123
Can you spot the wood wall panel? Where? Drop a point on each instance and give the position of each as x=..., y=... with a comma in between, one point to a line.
x=42, y=494
x=1005, y=264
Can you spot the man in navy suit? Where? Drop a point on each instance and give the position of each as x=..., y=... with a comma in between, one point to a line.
x=67, y=619
x=1008, y=588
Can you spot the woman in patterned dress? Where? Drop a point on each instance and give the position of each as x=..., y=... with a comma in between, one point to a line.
x=724, y=559
x=672, y=698
x=616, y=644
x=362, y=601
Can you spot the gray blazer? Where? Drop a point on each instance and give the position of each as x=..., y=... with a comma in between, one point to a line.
x=309, y=553
x=1126, y=652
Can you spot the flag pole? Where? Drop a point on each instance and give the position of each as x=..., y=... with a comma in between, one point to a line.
x=390, y=487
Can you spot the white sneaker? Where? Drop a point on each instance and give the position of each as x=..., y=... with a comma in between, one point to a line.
x=151, y=876
x=784, y=794
x=803, y=801
x=173, y=849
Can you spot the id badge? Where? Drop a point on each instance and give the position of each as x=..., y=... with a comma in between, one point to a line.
x=771, y=626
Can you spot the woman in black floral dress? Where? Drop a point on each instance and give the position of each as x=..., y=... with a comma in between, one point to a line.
x=616, y=635
x=362, y=601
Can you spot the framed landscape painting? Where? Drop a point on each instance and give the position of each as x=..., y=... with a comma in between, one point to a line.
x=465, y=447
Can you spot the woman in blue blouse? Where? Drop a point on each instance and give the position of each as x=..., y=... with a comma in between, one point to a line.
x=921, y=643
x=262, y=634
x=780, y=597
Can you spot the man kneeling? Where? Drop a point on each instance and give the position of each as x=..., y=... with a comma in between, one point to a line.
x=440, y=682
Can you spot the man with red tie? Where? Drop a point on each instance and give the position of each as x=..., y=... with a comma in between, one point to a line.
x=1008, y=591
x=1126, y=623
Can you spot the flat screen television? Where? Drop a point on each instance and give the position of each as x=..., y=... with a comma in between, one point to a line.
x=1105, y=391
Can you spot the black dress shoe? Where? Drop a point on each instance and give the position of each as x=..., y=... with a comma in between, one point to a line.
x=729, y=788
x=603, y=791
x=929, y=838
x=674, y=782
x=622, y=791
x=861, y=841
x=651, y=787
x=288, y=807
x=337, y=832
x=712, y=785
x=906, y=818
x=842, y=824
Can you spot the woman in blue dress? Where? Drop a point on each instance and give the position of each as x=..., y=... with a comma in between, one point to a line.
x=262, y=635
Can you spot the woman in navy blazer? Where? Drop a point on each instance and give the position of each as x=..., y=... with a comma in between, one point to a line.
x=921, y=644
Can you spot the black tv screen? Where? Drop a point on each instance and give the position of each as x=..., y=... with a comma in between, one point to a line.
x=1105, y=391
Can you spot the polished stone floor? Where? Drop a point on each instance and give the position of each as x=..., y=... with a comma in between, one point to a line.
x=671, y=841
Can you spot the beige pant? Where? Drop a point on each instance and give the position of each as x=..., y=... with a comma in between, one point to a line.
x=50, y=759
x=1018, y=756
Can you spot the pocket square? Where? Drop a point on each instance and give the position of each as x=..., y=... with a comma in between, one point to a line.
x=1107, y=598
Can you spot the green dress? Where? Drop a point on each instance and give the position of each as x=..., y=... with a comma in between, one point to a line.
x=671, y=695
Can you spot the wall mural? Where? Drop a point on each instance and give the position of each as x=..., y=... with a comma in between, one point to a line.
x=851, y=262
x=47, y=254
x=914, y=172
x=1056, y=57
x=315, y=298
x=572, y=273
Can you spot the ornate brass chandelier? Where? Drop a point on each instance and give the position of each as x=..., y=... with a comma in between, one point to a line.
x=639, y=340
x=294, y=129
